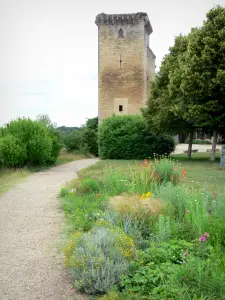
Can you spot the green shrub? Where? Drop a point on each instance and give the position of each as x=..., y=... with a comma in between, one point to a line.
x=127, y=137
x=202, y=142
x=91, y=139
x=41, y=143
x=98, y=258
x=12, y=152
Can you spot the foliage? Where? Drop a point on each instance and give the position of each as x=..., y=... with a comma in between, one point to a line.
x=28, y=142
x=83, y=139
x=166, y=104
x=177, y=252
x=203, y=69
x=202, y=142
x=166, y=170
x=158, y=271
x=98, y=258
x=12, y=152
x=127, y=137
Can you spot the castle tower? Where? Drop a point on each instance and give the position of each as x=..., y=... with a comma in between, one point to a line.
x=126, y=64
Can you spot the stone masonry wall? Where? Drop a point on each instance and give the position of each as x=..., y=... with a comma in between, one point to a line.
x=122, y=83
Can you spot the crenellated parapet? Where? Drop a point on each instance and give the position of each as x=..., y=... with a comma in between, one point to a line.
x=122, y=19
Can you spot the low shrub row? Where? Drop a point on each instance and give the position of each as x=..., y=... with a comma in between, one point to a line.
x=202, y=142
x=143, y=234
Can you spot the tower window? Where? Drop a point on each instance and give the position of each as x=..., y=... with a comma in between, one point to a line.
x=120, y=107
x=120, y=33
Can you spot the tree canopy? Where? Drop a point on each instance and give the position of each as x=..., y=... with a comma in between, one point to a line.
x=188, y=92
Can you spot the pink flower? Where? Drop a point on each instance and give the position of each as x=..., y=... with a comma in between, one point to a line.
x=202, y=238
x=185, y=253
x=206, y=235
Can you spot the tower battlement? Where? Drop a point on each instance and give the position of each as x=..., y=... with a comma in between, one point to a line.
x=126, y=64
x=122, y=19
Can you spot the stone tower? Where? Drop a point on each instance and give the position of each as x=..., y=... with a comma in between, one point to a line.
x=126, y=64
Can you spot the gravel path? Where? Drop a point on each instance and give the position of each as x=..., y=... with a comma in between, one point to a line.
x=31, y=264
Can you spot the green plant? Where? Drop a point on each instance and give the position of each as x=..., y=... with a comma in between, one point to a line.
x=41, y=143
x=12, y=152
x=202, y=142
x=127, y=137
x=98, y=258
x=166, y=170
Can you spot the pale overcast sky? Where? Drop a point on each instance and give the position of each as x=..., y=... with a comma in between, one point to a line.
x=48, y=51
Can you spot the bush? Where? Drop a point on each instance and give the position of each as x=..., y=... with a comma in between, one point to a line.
x=12, y=152
x=202, y=142
x=127, y=137
x=98, y=258
x=40, y=143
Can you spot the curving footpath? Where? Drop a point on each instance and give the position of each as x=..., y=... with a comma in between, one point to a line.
x=31, y=264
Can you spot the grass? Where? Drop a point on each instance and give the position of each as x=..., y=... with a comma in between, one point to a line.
x=68, y=157
x=9, y=177
x=201, y=172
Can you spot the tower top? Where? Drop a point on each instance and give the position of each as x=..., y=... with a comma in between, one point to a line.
x=121, y=19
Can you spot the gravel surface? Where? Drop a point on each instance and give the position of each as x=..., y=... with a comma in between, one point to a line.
x=31, y=263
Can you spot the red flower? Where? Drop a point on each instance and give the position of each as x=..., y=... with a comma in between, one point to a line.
x=184, y=173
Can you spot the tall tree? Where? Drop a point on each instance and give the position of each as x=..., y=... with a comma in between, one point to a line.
x=166, y=105
x=203, y=74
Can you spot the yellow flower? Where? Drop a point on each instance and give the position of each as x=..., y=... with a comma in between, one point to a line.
x=146, y=195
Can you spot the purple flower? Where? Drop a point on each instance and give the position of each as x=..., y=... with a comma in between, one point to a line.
x=94, y=177
x=206, y=235
x=202, y=238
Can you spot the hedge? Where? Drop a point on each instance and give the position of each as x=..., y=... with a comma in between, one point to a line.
x=128, y=137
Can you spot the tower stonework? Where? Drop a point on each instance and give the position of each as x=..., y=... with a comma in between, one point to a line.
x=126, y=64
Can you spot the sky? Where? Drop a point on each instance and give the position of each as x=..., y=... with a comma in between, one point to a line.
x=49, y=51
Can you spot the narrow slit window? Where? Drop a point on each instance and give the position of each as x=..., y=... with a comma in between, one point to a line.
x=120, y=107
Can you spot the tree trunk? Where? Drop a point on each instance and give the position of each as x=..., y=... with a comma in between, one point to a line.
x=191, y=137
x=213, y=153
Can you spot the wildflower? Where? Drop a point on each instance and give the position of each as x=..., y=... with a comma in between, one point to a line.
x=206, y=235
x=186, y=253
x=98, y=195
x=202, y=239
x=146, y=162
x=146, y=195
x=184, y=173
x=171, y=178
x=140, y=164
x=94, y=177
